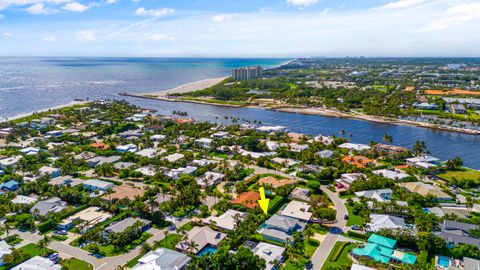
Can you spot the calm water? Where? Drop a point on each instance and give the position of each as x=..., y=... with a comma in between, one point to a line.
x=31, y=84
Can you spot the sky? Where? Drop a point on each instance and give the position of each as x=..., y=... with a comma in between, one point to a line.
x=241, y=28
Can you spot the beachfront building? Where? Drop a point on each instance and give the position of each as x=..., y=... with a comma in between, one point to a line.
x=382, y=249
x=246, y=73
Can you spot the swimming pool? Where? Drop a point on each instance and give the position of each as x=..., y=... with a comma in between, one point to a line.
x=209, y=249
x=443, y=261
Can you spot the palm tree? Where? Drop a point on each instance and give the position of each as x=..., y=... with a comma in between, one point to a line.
x=43, y=243
x=191, y=246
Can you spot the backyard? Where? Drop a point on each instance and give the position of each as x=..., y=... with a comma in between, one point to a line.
x=353, y=219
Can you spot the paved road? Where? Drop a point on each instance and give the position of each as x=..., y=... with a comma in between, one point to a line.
x=322, y=252
x=108, y=263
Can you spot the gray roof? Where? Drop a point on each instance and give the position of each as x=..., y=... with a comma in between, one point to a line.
x=162, y=258
x=284, y=223
x=122, y=225
x=455, y=225
x=51, y=205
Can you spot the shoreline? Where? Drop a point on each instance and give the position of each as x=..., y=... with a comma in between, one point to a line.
x=58, y=107
x=165, y=95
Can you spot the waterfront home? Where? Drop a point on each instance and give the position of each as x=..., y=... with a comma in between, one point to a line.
x=358, y=161
x=354, y=146
x=227, y=220
x=382, y=249
x=89, y=217
x=272, y=254
x=11, y=185
x=390, y=149
x=458, y=108
x=122, y=225
x=94, y=184
x=248, y=199
x=425, y=106
x=471, y=103
x=41, y=123
x=271, y=145
x=301, y=194
x=272, y=129
x=274, y=182
x=5, y=132
x=298, y=210
x=52, y=205
x=38, y=263
x=380, y=195
x=280, y=228
x=5, y=249
x=457, y=233
x=162, y=258
x=391, y=174
x=132, y=148
x=50, y=171
x=204, y=143
x=326, y=140
x=425, y=161
x=203, y=237
x=210, y=179
x=360, y=267
x=379, y=222
x=426, y=189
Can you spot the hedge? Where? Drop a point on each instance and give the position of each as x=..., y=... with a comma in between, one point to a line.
x=338, y=251
x=357, y=235
x=45, y=226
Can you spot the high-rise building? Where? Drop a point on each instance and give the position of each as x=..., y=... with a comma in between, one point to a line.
x=246, y=73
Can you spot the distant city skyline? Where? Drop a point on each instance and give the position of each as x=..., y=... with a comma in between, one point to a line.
x=268, y=28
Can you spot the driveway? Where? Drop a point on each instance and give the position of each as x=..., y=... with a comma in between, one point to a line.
x=334, y=235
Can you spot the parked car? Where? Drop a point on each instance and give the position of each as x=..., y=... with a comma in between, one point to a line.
x=345, y=217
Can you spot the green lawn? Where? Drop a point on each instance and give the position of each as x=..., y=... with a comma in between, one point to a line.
x=187, y=226
x=76, y=264
x=353, y=219
x=463, y=174
x=218, y=155
x=343, y=261
x=310, y=247
x=170, y=241
x=34, y=250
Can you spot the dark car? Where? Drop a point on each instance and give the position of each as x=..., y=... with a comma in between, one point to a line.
x=345, y=217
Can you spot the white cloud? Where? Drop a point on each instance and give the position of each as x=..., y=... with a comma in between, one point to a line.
x=160, y=37
x=160, y=12
x=75, y=7
x=86, y=36
x=49, y=39
x=6, y=3
x=7, y=35
x=220, y=18
x=455, y=16
x=301, y=3
x=39, y=9
x=402, y=4
x=111, y=2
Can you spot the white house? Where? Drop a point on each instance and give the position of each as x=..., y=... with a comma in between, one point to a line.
x=380, y=195
x=5, y=249
x=162, y=258
x=50, y=171
x=204, y=142
x=354, y=146
x=378, y=222
x=391, y=174
x=126, y=148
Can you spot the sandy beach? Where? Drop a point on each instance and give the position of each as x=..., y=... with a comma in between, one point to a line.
x=188, y=87
x=73, y=103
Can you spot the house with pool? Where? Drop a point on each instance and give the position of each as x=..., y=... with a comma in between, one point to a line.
x=382, y=249
x=204, y=238
x=280, y=228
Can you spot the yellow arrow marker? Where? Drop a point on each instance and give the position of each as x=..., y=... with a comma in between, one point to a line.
x=263, y=202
